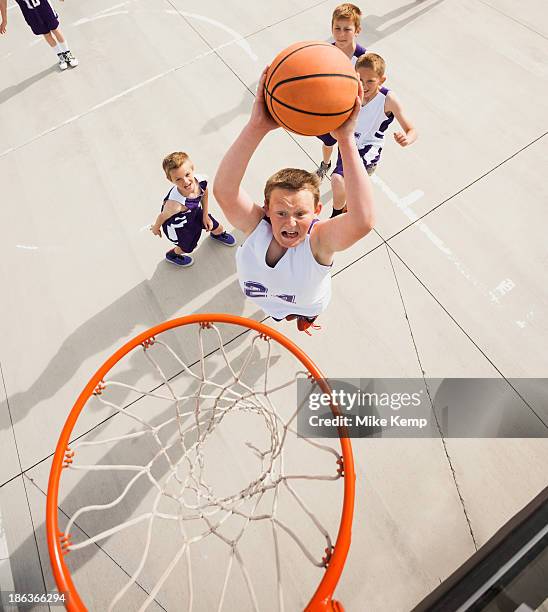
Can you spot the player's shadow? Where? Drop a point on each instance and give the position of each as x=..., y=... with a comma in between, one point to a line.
x=244, y=107
x=170, y=292
x=12, y=91
x=373, y=28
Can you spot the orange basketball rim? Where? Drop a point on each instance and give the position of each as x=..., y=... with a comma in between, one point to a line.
x=322, y=599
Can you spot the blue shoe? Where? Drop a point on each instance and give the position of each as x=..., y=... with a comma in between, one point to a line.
x=179, y=260
x=225, y=238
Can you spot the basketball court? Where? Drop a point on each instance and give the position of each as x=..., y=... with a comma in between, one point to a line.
x=450, y=284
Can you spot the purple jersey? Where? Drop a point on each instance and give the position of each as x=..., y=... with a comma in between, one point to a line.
x=39, y=15
x=358, y=52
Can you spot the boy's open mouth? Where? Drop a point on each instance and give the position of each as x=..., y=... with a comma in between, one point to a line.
x=289, y=234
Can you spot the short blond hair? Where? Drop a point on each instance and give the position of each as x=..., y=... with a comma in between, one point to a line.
x=293, y=179
x=348, y=11
x=173, y=161
x=373, y=61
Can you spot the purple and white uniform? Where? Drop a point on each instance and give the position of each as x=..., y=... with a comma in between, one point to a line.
x=39, y=15
x=327, y=139
x=297, y=284
x=185, y=228
x=358, y=52
x=370, y=129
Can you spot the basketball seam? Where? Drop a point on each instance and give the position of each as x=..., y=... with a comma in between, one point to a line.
x=313, y=76
x=282, y=122
x=309, y=76
x=313, y=44
x=305, y=112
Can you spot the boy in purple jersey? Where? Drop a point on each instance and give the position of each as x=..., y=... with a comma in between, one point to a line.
x=345, y=27
x=185, y=213
x=43, y=20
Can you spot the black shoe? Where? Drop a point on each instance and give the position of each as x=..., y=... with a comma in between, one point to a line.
x=322, y=170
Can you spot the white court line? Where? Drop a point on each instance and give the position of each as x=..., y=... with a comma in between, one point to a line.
x=6, y=576
x=237, y=38
x=240, y=41
x=404, y=204
x=25, y=246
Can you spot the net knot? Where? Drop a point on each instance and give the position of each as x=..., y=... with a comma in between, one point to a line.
x=146, y=344
x=101, y=386
x=69, y=454
x=340, y=469
x=327, y=557
x=66, y=542
x=206, y=324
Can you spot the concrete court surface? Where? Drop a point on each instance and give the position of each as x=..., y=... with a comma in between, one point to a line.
x=452, y=282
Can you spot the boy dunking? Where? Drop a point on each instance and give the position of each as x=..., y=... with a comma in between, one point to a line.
x=43, y=20
x=185, y=211
x=284, y=266
x=345, y=27
x=379, y=107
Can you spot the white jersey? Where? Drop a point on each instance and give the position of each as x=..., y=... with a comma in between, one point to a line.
x=175, y=194
x=297, y=284
x=371, y=126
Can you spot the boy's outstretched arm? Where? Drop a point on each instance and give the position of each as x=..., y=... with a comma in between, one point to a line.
x=409, y=134
x=341, y=232
x=236, y=203
x=4, y=15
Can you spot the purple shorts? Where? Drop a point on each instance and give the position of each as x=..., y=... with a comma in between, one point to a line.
x=187, y=228
x=328, y=140
x=39, y=15
x=370, y=168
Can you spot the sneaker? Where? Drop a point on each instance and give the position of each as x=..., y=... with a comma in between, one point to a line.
x=225, y=238
x=304, y=323
x=62, y=61
x=179, y=260
x=322, y=170
x=72, y=61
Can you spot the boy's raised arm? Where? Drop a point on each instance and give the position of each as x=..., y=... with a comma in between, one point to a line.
x=237, y=205
x=341, y=232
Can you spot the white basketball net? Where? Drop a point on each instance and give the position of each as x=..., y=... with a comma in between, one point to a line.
x=200, y=513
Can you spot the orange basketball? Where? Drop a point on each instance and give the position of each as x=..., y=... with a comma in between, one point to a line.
x=310, y=88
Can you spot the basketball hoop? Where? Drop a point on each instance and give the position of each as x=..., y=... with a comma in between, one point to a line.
x=181, y=439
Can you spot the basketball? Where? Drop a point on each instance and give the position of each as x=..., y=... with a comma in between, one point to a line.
x=310, y=88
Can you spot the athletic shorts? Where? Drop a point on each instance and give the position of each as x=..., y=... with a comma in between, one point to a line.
x=188, y=239
x=39, y=15
x=327, y=139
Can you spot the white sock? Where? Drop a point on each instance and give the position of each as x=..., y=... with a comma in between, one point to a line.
x=58, y=49
x=63, y=47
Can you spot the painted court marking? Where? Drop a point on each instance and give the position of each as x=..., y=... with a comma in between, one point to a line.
x=238, y=40
x=503, y=288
